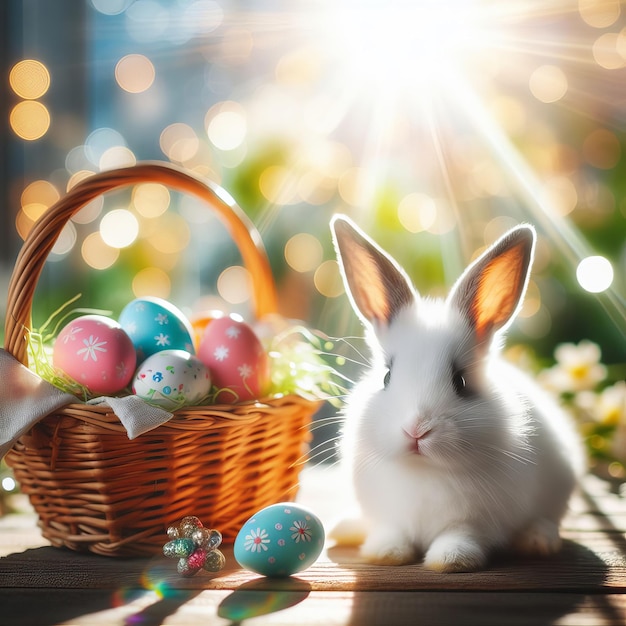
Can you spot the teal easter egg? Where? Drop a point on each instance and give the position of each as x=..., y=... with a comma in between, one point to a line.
x=280, y=540
x=154, y=324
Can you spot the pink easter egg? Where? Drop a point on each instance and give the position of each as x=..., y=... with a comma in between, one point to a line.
x=96, y=352
x=236, y=358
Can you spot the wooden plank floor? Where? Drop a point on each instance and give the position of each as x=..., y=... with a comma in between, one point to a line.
x=583, y=585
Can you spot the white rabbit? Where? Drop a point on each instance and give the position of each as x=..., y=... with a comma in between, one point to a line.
x=453, y=453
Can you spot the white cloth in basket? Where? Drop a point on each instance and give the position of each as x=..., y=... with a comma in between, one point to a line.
x=25, y=398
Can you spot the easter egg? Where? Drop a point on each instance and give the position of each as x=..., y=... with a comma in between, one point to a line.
x=171, y=379
x=236, y=358
x=95, y=352
x=155, y=324
x=280, y=540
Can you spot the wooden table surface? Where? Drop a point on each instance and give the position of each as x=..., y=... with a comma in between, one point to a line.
x=583, y=585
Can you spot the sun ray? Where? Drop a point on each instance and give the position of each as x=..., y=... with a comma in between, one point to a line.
x=560, y=229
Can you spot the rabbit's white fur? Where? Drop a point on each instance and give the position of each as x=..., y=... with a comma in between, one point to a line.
x=450, y=473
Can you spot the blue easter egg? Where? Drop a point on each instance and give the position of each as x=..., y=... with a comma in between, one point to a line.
x=154, y=324
x=280, y=540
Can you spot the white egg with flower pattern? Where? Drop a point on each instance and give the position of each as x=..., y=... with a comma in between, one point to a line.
x=172, y=379
x=280, y=540
x=94, y=351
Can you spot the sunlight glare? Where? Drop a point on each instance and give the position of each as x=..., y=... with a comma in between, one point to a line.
x=398, y=43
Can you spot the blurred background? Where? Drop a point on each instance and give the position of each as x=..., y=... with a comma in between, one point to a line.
x=435, y=125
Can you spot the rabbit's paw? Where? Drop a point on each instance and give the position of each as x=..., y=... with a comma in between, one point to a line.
x=541, y=538
x=388, y=547
x=455, y=552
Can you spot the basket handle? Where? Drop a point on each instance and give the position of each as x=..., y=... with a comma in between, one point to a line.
x=42, y=237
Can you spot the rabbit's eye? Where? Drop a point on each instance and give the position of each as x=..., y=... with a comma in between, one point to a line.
x=387, y=375
x=460, y=384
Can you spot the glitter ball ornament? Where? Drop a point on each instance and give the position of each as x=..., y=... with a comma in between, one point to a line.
x=195, y=547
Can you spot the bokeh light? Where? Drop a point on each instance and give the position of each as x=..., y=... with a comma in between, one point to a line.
x=98, y=254
x=417, y=212
x=179, y=142
x=548, y=83
x=606, y=51
x=8, y=483
x=30, y=120
x=226, y=125
x=599, y=13
x=90, y=212
x=65, y=241
x=170, y=235
x=151, y=199
x=352, y=184
x=77, y=177
x=135, y=73
x=119, y=228
x=303, y=252
x=602, y=149
x=29, y=79
x=117, y=156
x=278, y=185
x=233, y=284
x=595, y=274
x=152, y=281
x=147, y=20
x=77, y=163
x=101, y=140
x=37, y=197
x=560, y=193
x=328, y=280
x=111, y=7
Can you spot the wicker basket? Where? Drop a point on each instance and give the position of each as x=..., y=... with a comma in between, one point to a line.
x=93, y=488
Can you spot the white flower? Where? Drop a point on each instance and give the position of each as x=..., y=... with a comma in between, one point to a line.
x=71, y=335
x=220, y=353
x=162, y=340
x=232, y=332
x=578, y=368
x=244, y=371
x=256, y=541
x=607, y=407
x=92, y=345
x=301, y=531
x=162, y=319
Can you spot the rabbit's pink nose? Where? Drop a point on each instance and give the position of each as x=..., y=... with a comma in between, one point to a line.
x=416, y=438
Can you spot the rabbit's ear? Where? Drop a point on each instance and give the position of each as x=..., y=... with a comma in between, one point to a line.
x=490, y=291
x=376, y=285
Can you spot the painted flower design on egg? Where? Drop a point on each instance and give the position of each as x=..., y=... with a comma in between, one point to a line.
x=93, y=345
x=162, y=319
x=162, y=340
x=245, y=371
x=257, y=540
x=232, y=332
x=221, y=353
x=71, y=334
x=300, y=531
